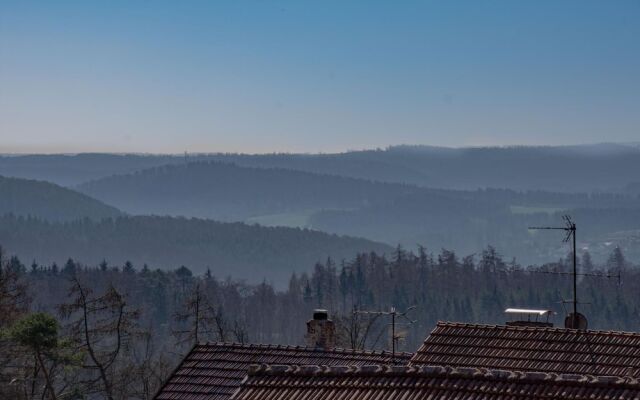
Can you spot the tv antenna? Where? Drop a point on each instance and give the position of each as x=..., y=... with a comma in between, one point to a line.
x=394, y=316
x=570, y=229
x=574, y=320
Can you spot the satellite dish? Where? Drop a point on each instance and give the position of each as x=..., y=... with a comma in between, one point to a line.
x=580, y=321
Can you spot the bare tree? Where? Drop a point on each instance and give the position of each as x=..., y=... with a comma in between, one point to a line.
x=200, y=320
x=147, y=368
x=103, y=328
x=240, y=332
x=354, y=330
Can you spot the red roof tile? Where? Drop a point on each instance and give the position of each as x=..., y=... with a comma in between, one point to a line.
x=555, y=350
x=426, y=382
x=213, y=371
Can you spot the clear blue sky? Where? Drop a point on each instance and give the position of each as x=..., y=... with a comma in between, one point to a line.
x=261, y=76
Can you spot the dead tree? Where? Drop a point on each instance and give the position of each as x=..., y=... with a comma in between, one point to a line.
x=145, y=369
x=198, y=320
x=354, y=330
x=102, y=327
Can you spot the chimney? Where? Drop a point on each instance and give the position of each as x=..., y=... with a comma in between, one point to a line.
x=529, y=317
x=321, y=331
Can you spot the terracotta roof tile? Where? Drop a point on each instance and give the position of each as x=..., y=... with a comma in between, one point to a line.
x=556, y=350
x=426, y=382
x=213, y=371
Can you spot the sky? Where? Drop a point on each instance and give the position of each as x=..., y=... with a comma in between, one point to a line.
x=315, y=76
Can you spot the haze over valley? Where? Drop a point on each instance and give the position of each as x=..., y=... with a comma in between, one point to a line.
x=459, y=199
x=228, y=199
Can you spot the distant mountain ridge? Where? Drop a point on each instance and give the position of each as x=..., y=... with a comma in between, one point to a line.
x=392, y=213
x=242, y=251
x=24, y=197
x=584, y=168
x=230, y=192
x=49, y=223
x=73, y=169
x=403, y=194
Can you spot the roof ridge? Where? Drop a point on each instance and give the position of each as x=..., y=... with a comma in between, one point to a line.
x=442, y=371
x=533, y=328
x=339, y=350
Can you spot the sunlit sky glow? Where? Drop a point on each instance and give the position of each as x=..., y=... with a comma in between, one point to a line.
x=261, y=76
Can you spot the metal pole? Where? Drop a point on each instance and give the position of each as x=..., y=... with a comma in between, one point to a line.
x=393, y=335
x=570, y=228
x=575, y=279
x=197, y=312
x=394, y=313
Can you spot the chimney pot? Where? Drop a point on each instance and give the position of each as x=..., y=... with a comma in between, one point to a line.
x=320, y=330
x=320, y=315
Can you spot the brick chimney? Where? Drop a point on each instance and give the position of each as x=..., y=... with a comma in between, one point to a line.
x=321, y=331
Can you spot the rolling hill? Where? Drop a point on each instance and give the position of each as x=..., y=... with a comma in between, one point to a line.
x=465, y=220
x=231, y=193
x=229, y=249
x=584, y=168
x=580, y=168
x=314, y=192
x=45, y=200
x=73, y=169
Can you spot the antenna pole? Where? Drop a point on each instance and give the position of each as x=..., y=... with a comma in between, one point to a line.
x=575, y=278
x=570, y=228
x=393, y=335
x=393, y=312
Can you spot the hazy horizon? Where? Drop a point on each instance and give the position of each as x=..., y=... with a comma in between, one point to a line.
x=283, y=76
x=338, y=151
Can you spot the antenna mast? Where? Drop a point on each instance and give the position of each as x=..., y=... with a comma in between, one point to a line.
x=394, y=314
x=570, y=229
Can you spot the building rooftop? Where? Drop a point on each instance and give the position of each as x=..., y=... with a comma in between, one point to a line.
x=426, y=382
x=521, y=348
x=213, y=371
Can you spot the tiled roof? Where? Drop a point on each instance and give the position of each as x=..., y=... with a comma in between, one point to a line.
x=213, y=371
x=554, y=350
x=426, y=382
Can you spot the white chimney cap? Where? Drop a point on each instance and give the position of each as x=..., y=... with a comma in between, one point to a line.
x=528, y=311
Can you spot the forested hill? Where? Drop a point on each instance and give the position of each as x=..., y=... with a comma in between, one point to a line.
x=392, y=213
x=69, y=170
x=467, y=226
x=45, y=200
x=228, y=249
x=232, y=193
x=584, y=168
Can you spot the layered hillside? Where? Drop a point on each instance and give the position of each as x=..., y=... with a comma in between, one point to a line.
x=584, y=168
x=229, y=249
x=23, y=197
x=232, y=193
x=465, y=220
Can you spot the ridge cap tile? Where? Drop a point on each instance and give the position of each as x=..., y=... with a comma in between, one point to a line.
x=536, y=328
x=440, y=372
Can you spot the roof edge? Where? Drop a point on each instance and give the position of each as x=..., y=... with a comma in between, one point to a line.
x=173, y=372
x=335, y=350
x=451, y=324
x=443, y=372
